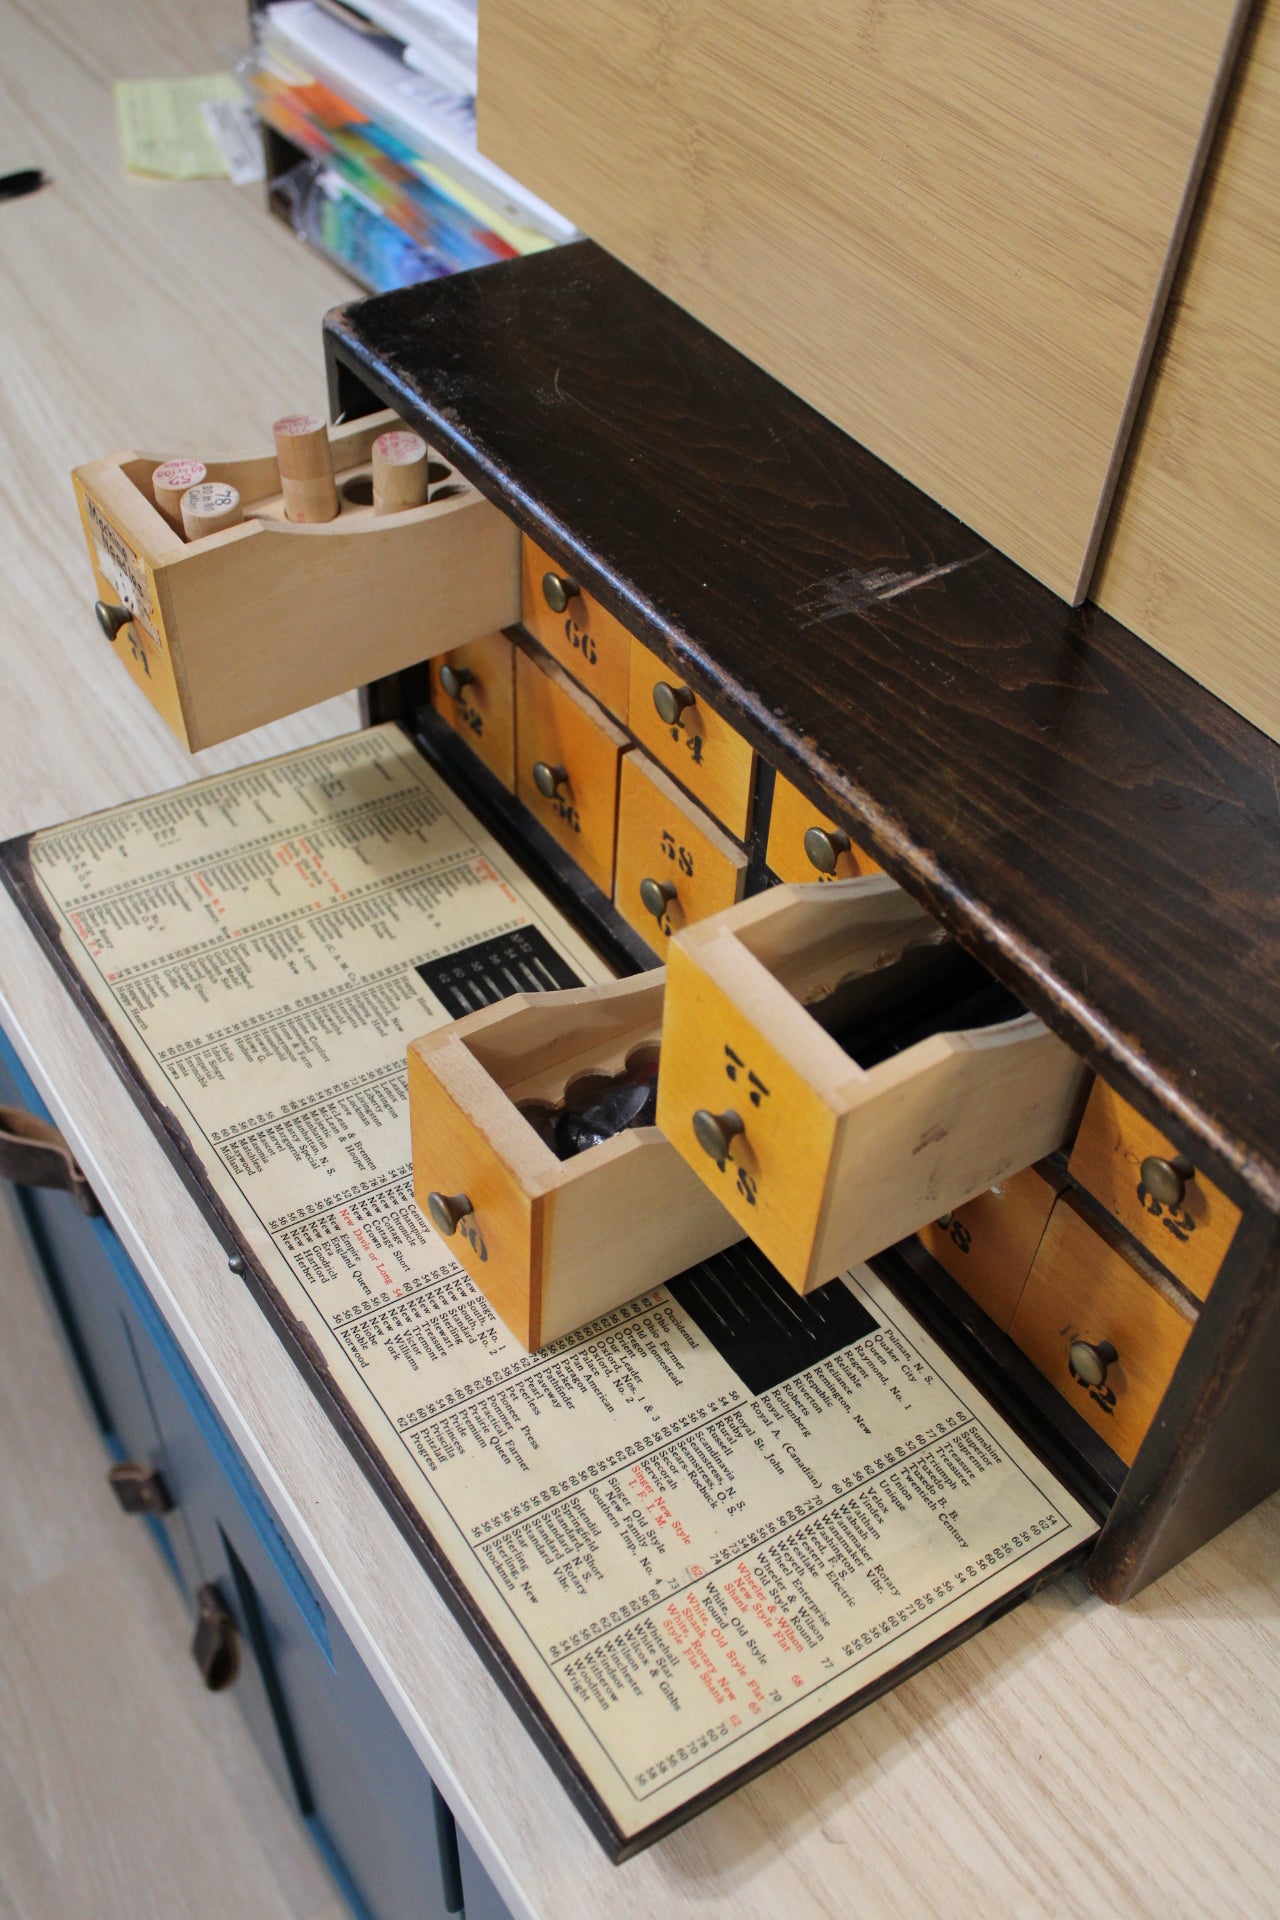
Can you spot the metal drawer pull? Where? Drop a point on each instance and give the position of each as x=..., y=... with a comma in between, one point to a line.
x=446, y=1210
x=671, y=702
x=823, y=847
x=454, y=679
x=111, y=618
x=214, y=1647
x=656, y=896
x=548, y=779
x=34, y=1154
x=139, y=1487
x=715, y=1133
x=1090, y=1361
x=1166, y=1180
x=558, y=590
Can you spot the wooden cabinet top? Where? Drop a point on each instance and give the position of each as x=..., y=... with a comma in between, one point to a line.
x=1100, y=830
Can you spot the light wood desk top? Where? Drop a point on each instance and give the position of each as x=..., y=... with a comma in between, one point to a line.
x=1074, y=1759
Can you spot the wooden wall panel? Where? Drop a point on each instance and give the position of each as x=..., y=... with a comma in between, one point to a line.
x=949, y=228
x=1192, y=560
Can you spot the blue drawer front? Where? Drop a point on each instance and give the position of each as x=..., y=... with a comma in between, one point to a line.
x=483, y=1901
x=328, y=1735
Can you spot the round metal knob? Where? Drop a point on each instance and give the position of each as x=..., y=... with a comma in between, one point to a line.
x=446, y=1210
x=547, y=778
x=1166, y=1180
x=111, y=618
x=454, y=679
x=824, y=845
x=558, y=590
x=715, y=1133
x=671, y=701
x=656, y=896
x=1090, y=1360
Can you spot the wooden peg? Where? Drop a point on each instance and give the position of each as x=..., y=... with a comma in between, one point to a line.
x=305, y=460
x=399, y=471
x=170, y=481
x=209, y=508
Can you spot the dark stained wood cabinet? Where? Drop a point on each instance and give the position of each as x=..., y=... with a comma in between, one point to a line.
x=1097, y=829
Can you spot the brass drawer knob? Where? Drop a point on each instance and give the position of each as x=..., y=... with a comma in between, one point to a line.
x=1166, y=1180
x=548, y=779
x=214, y=1647
x=446, y=1210
x=715, y=1133
x=1090, y=1361
x=823, y=847
x=111, y=618
x=558, y=590
x=671, y=701
x=139, y=1488
x=454, y=679
x=656, y=896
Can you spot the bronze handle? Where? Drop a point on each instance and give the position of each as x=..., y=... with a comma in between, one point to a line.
x=454, y=679
x=823, y=847
x=214, y=1647
x=671, y=702
x=1166, y=1180
x=715, y=1133
x=548, y=779
x=558, y=590
x=446, y=1210
x=111, y=618
x=1090, y=1361
x=656, y=896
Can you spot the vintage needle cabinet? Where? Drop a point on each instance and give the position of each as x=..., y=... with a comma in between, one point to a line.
x=799, y=657
x=743, y=701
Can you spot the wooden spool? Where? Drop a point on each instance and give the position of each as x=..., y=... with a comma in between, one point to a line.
x=399, y=471
x=209, y=508
x=170, y=481
x=305, y=459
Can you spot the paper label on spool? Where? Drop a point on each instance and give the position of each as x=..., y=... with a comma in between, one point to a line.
x=294, y=423
x=123, y=569
x=400, y=448
x=178, y=475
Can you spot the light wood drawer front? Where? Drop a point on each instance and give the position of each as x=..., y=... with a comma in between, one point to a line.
x=562, y=735
x=989, y=1244
x=242, y=626
x=588, y=642
x=805, y=844
x=1186, y=1223
x=553, y=1243
x=826, y=1161
x=703, y=751
x=1081, y=1290
x=473, y=688
x=674, y=864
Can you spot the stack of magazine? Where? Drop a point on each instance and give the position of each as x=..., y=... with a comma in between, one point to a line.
x=378, y=99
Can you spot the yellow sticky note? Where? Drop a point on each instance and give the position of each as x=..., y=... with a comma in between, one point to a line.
x=162, y=131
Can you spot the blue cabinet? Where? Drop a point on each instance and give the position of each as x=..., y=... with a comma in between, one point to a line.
x=331, y=1740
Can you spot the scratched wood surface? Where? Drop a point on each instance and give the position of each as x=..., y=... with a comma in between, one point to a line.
x=962, y=1795
x=948, y=228
x=1190, y=560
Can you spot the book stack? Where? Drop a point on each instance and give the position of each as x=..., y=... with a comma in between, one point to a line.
x=372, y=139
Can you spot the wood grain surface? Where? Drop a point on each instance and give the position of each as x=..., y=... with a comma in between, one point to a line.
x=1190, y=560
x=947, y=228
x=964, y=1794
x=1099, y=830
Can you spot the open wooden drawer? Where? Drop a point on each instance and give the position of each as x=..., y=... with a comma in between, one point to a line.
x=822, y=1160
x=229, y=631
x=554, y=1243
